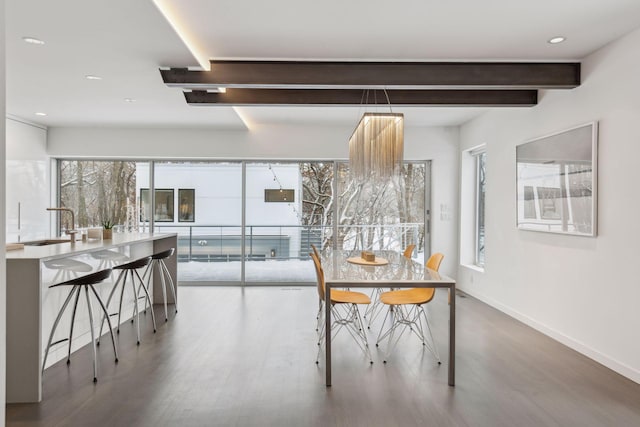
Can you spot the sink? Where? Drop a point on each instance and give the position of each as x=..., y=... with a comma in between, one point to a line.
x=45, y=242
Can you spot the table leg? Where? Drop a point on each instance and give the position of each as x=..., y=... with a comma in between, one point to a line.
x=327, y=332
x=452, y=336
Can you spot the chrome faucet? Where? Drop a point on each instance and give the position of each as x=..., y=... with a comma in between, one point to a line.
x=71, y=232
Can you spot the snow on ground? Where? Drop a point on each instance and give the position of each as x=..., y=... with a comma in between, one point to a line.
x=256, y=271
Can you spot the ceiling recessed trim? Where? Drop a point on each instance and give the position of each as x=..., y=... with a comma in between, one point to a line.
x=179, y=29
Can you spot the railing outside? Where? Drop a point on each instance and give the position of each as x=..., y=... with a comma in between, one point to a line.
x=223, y=243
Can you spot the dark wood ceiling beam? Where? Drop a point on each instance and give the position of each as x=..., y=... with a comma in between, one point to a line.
x=355, y=97
x=378, y=75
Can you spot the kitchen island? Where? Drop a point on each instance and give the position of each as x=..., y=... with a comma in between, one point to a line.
x=32, y=306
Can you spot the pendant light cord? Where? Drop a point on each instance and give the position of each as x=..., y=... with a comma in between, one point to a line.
x=388, y=101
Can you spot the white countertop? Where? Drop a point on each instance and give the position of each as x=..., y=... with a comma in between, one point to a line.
x=61, y=250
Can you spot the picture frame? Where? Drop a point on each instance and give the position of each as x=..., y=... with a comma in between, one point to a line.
x=556, y=182
x=164, y=205
x=186, y=205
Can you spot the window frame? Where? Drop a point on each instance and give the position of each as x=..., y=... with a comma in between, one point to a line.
x=480, y=187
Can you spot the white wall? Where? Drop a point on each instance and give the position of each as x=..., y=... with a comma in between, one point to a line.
x=3, y=285
x=28, y=171
x=278, y=142
x=582, y=291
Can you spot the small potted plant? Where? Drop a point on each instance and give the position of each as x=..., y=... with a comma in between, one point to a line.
x=107, y=232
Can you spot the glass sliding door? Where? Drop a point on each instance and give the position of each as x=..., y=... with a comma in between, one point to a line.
x=202, y=202
x=276, y=240
x=387, y=215
x=318, y=204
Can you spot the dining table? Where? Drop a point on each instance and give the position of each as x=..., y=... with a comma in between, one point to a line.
x=341, y=270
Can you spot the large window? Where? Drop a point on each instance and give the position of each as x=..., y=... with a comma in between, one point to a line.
x=384, y=216
x=251, y=222
x=99, y=191
x=481, y=184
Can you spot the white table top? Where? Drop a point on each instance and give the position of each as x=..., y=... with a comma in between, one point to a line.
x=62, y=250
x=399, y=272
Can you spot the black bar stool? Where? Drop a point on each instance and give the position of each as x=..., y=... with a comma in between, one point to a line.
x=157, y=262
x=86, y=283
x=131, y=269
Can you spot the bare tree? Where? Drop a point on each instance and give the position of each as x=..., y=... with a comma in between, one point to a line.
x=98, y=190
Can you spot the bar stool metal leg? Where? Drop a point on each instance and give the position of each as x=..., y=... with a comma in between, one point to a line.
x=136, y=313
x=106, y=315
x=93, y=338
x=144, y=275
x=164, y=292
x=55, y=325
x=124, y=273
x=77, y=284
x=128, y=272
x=147, y=298
x=173, y=289
x=73, y=318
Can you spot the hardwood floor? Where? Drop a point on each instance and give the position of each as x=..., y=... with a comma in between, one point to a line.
x=245, y=357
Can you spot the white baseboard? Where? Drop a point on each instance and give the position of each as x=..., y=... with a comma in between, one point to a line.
x=621, y=368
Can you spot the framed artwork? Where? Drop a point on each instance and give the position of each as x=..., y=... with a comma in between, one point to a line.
x=163, y=209
x=556, y=182
x=279, y=196
x=186, y=205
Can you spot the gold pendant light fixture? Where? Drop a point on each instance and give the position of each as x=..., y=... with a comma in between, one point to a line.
x=376, y=147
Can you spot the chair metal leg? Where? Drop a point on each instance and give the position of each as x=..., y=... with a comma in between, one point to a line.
x=366, y=342
x=93, y=338
x=55, y=325
x=320, y=316
x=346, y=316
x=375, y=308
x=408, y=318
x=433, y=348
x=382, y=336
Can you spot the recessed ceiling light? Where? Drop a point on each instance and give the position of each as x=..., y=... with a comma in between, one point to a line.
x=32, y=40
x=129, y=100
x=557, y=40
x=40, y=114
x=92, y=77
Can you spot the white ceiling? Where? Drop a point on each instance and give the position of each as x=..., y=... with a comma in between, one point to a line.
x=126, y=41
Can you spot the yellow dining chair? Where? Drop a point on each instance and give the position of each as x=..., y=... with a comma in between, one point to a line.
x=344, y=312
x=320, y=296
x=406, y=309
x=375, y=308
x=408, y=251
